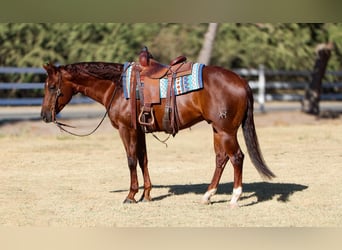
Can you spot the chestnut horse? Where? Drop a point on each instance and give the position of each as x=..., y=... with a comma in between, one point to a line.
x=225, y=102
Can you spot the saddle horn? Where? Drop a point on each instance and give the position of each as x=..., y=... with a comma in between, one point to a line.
x=144, y=57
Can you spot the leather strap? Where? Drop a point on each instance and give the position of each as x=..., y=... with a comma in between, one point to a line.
x=133, y=100
x=140, y=87
x=170, y=119
x=167, y=109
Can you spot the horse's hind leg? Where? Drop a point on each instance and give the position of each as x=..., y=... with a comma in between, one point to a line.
x=226, y=147
x=236, y=158
x=221, y=161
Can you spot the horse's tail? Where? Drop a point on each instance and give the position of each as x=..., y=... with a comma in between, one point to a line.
x=251, y=139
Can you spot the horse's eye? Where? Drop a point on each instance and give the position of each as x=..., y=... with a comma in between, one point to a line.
x=51, y=86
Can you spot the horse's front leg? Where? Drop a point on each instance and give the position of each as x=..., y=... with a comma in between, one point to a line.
x=142, y=158
x=134, y=185
x=130, y=139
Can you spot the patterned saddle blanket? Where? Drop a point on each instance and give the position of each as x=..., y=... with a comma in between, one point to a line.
x=182, y=85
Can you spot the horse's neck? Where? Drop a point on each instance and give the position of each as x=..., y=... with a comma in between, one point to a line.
x=96, y=89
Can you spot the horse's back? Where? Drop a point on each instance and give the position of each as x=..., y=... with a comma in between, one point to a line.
x=223, y=78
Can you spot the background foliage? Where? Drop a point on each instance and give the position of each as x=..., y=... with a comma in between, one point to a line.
x=280, y=46
x=288, y=46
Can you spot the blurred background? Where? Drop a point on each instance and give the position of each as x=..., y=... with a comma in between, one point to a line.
x=278, y=59
x=288, y=46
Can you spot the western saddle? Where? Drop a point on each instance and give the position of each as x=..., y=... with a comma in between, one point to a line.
x=146, y=79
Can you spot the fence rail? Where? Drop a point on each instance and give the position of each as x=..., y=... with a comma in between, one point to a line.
x=258, y=82
x=28, y=101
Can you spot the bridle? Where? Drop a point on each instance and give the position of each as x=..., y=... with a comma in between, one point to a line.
x=62, y=126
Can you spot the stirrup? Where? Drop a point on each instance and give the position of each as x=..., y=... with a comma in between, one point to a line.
x=146, y=123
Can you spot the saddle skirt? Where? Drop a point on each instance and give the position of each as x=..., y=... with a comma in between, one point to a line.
x=182, y=84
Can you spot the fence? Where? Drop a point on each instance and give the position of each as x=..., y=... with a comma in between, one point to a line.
x=262, y=86
x=257, y=79
x=26, y=101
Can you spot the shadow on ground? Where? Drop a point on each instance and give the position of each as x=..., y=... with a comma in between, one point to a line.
x=263, y=191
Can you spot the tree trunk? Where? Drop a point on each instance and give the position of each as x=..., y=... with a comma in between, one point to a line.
x=205, y=53
x=312, y=96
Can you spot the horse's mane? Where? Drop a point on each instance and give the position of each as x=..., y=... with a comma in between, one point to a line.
x=101, y=70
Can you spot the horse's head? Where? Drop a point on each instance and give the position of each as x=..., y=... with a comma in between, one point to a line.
x=57, y=93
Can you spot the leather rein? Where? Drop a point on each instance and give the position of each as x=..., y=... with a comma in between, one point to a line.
x=62, y=126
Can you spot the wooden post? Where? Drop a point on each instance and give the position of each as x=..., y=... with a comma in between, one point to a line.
x=312, y=95
x=261, y=88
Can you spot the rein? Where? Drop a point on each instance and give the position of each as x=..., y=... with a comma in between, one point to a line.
x=61, y=125
x=163, y=141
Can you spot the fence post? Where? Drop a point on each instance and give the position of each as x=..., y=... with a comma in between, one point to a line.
x=261, y=88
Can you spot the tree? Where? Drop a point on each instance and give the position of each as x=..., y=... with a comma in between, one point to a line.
x=312, y=96
x=286, y=46
x=209, y=38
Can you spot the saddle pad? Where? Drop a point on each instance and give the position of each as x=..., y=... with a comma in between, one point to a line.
x=182, y=84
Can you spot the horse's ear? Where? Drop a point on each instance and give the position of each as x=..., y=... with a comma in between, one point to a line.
x=49, y=67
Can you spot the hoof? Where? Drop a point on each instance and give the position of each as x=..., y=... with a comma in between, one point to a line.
x=206, y=197
x=205, y=202
x=234, y=205
x=145, y=200
x=129, y=201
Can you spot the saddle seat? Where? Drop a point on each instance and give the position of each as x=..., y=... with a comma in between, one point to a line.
x=157, y=70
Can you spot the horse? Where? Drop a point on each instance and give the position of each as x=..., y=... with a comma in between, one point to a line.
x=225, y=102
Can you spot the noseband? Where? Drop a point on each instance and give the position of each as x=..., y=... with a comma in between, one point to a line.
x=62, y=126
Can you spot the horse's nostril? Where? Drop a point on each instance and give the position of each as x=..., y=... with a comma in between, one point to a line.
x=43, y=116
x=46, y=117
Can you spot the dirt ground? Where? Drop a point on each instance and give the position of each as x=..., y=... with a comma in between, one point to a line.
x=49, y=178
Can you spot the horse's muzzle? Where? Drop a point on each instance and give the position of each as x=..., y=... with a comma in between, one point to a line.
x=46, y=116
